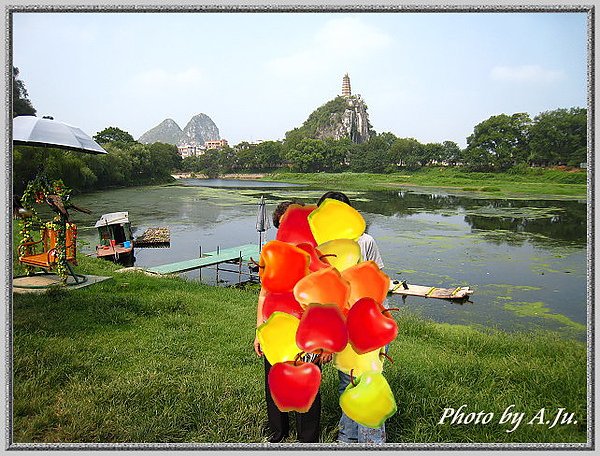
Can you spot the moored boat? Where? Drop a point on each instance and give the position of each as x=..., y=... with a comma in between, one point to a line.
x=116, y=239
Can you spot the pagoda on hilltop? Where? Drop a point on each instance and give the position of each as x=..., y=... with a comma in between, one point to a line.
x=346, y=90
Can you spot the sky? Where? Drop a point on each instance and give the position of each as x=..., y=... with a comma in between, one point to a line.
x=427, y=75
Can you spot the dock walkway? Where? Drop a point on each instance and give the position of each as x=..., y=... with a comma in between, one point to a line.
x=209, y=259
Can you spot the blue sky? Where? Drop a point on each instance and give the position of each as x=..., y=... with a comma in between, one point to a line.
x=429, y=75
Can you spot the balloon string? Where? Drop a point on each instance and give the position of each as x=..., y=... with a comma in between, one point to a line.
x=386, y=311
x=253, y=261
x=327, y=255
x=386, y=356
x=298, y=356
x=352, y=377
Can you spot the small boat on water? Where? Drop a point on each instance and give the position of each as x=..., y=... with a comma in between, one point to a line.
x=116, y=239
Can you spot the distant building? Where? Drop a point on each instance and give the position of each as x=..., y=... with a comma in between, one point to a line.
x=346, y=90
x=215, y=144
x=190, y=150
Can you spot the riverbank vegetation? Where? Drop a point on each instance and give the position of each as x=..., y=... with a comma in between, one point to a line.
x=149, y=359
x=519, y=183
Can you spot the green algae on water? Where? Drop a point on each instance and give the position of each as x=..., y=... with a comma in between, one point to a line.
x=538, y=309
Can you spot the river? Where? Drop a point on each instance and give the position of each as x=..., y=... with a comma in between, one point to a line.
x=526, y=260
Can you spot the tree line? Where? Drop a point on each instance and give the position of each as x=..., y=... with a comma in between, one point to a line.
x=499, y=143
x=502, y=142
x=128, y=163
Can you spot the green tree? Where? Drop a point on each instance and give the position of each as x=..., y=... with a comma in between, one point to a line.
x=21, y=104
x=499, y=142
x=433, y=153
x=165, y=155
x=71, y=168
x=191, y=164
x=28, y=161
x=227, y=159
x=293, y=138
x=373, y=155
x=113, y=134
x=452, y=153
x=269, y=155
x=247, y=158
x=211, y=163
x=310, y=155
x=559, y=137
x=408, y=153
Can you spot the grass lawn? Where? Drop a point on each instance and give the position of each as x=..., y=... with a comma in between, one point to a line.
x=539, y=183
x=144, y=359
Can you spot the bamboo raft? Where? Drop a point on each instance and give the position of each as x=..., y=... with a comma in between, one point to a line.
x=398, y=287
x=154, y=237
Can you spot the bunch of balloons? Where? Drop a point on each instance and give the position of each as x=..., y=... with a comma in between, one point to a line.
x=321, y=298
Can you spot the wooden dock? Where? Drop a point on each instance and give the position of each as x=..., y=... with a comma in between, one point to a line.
x=209, y=259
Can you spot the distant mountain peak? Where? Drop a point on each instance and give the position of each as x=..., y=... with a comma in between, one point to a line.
x=198, y=130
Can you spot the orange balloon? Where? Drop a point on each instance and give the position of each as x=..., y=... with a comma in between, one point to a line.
x=325, y=286
x=366, y=280
x=281, y=265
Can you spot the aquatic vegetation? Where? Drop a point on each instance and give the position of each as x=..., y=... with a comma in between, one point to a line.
x=509, y=289
x=539, y=309
x=526, y=212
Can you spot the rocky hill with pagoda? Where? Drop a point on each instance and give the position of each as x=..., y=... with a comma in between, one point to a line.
x=343, y=117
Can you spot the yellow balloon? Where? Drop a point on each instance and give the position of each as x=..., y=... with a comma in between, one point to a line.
x=369, y=401
x=344, y=253
x=277, y=337
x=335, y=220
x=348, y=360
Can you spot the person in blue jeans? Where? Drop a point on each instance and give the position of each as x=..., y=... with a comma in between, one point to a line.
x=349, y=430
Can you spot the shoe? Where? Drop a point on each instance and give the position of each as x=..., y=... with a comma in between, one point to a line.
x=276, y=438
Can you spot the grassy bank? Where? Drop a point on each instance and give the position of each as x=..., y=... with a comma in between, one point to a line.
x=528, y=182
x=144, y=359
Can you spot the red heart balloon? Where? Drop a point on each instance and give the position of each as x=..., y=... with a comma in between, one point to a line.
x=317, y=260
x=322, y=328
x=281, y=302
x=294, y=385
x=293, y=225
x=369, y=326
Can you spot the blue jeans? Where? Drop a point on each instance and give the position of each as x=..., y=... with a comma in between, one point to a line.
x=352, y=432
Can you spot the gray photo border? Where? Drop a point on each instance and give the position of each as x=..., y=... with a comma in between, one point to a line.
x=282, y=7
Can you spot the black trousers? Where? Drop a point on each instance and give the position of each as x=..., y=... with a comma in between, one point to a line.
x=308, y=424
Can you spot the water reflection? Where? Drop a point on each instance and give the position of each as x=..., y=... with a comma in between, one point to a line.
x=553, y=220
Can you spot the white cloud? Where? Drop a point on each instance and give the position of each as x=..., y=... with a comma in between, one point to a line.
x=340, y=41
x=526, y=73
x=159, y=78
x=350, y=36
